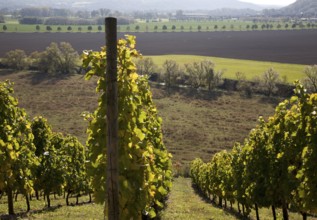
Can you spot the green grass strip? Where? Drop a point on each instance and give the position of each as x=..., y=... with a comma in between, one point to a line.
x=250, y=68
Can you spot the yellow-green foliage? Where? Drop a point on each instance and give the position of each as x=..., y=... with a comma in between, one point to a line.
x=144, y=163
x=277, y=163
x=17, y=152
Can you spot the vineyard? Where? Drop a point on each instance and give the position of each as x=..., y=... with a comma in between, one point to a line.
x=36, y=161
x=274, y=167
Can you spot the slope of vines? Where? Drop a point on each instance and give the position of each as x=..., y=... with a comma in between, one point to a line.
x=33, y=159
x=17, y=152
x=275, y=166
x=144, y=163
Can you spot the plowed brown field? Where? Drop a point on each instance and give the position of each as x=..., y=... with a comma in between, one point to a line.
x=298, y=47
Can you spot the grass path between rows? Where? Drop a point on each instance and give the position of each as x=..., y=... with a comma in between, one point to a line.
x=184, y=203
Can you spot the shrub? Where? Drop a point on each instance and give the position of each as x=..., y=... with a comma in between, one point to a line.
x=16, y=59
x=59, y=59
x=269, y=80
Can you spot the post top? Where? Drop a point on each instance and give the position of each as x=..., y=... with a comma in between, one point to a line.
x=110, y=19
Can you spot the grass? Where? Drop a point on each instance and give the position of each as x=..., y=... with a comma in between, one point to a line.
x=57, y=211
x=188, y=26
x=185, y=203
x=199, y=125
x=157, y=26
x=194, y=124
x=208, y=25
x=60, y=100
x=250, y=68
x=15, y=27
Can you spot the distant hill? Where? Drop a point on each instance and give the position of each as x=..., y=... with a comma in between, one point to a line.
x=174, y=4
x=233, y=12
x=300, y=8
x=127, y=5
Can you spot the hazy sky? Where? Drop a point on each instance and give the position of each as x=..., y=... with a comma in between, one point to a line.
x=270, y=2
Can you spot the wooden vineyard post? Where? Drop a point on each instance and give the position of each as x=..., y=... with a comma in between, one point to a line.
x=112, y=120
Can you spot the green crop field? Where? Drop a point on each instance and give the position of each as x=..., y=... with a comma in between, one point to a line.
x=250, y=68
x=205, y=25
x=16, y=27
x=186, y=26
x=163, y=25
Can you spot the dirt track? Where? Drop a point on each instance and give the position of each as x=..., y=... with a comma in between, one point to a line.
x=278, y=46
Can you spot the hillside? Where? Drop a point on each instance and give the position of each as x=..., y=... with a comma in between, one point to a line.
x=305, y=8
x=125, y=5
x=174, y=4
x=194, y=124
x=300, y=8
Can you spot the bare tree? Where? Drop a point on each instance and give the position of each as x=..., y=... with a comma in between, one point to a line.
x=196, y=73
x=170, y=70
x=240, y=76
x=310, y=81
x=203, y=74
x=243, y=85
x=213, y=78
x=269, y=80
x=145, y=66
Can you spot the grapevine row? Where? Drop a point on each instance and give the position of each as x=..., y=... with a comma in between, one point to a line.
x=274, y=167
x=144, y=163
x=33, y=159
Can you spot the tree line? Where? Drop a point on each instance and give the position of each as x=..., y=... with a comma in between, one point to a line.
x=59, y=16
x=55, y=59
x=70, y=21
x=63, y=59
x=274, y=167
x=202, y=75
x=62, y=12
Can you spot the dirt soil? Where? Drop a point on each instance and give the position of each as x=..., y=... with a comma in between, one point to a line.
x=299, y=47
